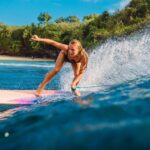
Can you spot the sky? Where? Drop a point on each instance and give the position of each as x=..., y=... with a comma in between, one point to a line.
x=25, y=12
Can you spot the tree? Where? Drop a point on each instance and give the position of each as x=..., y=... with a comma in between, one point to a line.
x=105, y=16
x=90, y=17
x=5, y=38
x=142, y=10
x=4, y=32
x=72, y=19
x=43, y=18
x=141, y=6
x=59, y=20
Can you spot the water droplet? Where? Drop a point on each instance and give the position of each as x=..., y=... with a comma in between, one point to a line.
x=6, y=134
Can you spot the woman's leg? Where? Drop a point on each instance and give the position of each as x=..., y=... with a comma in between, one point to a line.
x=52, y=73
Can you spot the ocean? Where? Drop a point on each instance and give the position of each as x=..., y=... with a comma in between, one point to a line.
x=112, y=113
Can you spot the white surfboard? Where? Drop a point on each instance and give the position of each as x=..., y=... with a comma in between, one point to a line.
x=25, y=97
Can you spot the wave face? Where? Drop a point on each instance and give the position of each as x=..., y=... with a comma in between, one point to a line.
x=116, y=61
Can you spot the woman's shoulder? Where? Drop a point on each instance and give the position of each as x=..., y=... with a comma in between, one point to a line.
x=85, y=54
x=84, y=57
x=65, y=50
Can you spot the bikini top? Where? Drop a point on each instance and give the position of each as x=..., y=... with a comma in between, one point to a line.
x=84, y=54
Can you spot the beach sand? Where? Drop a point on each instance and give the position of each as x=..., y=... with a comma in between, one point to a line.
x=4, y=57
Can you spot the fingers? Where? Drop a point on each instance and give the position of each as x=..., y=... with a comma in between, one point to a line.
x=35, y=38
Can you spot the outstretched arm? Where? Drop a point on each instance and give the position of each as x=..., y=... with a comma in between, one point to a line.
x=77, y=78
x=51, y=42
x=74, y=84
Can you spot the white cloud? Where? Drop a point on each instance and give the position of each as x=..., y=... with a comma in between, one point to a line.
x=119, y=5
x=124, y=3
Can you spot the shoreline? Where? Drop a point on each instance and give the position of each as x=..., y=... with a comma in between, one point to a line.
x=20, y=58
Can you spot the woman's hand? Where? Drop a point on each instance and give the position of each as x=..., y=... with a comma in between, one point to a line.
x=35, y=38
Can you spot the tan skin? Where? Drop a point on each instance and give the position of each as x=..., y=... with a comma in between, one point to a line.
x=73, y=52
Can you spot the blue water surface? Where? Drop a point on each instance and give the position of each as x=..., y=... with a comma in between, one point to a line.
x=117, y=117
x=25, y=74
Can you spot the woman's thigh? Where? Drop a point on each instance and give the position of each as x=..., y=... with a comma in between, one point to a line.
x=60, y=60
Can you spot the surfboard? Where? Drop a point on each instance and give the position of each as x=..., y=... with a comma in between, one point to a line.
x=24, y=97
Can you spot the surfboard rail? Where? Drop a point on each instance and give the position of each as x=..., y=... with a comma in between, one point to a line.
x=22, y=96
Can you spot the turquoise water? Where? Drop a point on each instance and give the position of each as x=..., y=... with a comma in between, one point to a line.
x=112, y=113
x=25, y=75
x=116, y=118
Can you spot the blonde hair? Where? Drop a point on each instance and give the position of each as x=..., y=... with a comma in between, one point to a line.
x=75, y=41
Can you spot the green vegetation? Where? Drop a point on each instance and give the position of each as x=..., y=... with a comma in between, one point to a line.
x=92, y=31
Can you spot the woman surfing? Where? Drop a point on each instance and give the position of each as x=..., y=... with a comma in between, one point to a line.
x=73, y=53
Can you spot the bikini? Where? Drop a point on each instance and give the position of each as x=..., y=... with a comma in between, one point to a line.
x=66, y=58
x=70, y=60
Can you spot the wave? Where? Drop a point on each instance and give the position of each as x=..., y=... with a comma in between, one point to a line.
x=116, y=61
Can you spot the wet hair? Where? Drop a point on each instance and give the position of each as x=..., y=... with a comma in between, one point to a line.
x=75, y=41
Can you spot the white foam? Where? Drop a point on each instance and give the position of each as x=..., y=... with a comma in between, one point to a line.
x=116, y=61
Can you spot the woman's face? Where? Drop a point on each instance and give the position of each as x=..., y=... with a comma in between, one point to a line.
x=73, y=50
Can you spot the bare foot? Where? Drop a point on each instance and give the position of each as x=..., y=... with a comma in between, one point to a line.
x=37, y=95
x=38, y=92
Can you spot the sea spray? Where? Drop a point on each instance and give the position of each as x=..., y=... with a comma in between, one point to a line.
x=116, y=61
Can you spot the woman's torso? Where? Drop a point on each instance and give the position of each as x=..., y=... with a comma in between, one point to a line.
x=83, y=55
